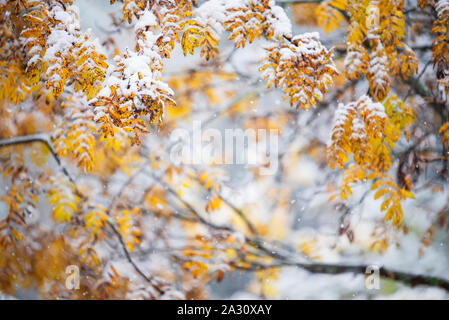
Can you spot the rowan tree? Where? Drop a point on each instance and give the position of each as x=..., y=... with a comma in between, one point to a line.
x=356, y=91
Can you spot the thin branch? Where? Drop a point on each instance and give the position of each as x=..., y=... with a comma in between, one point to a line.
x=410, y=279
x=240, y=214
x=405, y=277
x=117, y=197
x=417, y=79
x=42, y=138
x=131, y=261
x=192, y=210
x=283, y=261
x=320, y=268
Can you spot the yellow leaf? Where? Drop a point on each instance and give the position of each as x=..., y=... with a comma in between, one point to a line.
x=380, y=193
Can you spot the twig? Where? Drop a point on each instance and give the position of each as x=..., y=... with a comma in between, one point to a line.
x=410, y=279
x=240, y=214
x=323, y=268
x=131, y=261
x=42, y=138
x=417, y=79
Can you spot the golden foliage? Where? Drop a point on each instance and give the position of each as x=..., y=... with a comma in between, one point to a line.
x=189, y=85
x=356, y=61
x=131, y=106
x=62, y=198
x=74, y=136
x=303, y=68
x=18, y=200
x=400, y=117
x=41, y=268
x=212, y=184
x=196, y=268
x=95, y=218
x=378, y=75
x=359, y=129
x=440, y=45
x=393, y=195
x=21, y=199
x=45, y=27
x=88, y=255
x=375, y=43
x=330, y=15
x=198, y=36
x=45, y=57
x=249, y=21
x=444, y=132
x=128, y=226
x=368, y=131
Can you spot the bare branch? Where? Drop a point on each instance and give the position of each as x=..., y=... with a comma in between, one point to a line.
x=42, y=138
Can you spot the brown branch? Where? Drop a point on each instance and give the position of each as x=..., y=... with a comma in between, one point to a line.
x=410, y=279
x=323, y=268
x=117, y=197
x=42, y=138
x=131, y=261
x=319, y=268
x=404, y=277
x=240, y=213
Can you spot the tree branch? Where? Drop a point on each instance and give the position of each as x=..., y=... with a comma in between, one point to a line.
x=410, y=279
x=319, y=268
x=282, y=260
x=297, y=1
x=42, y=138
x=131, y=261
